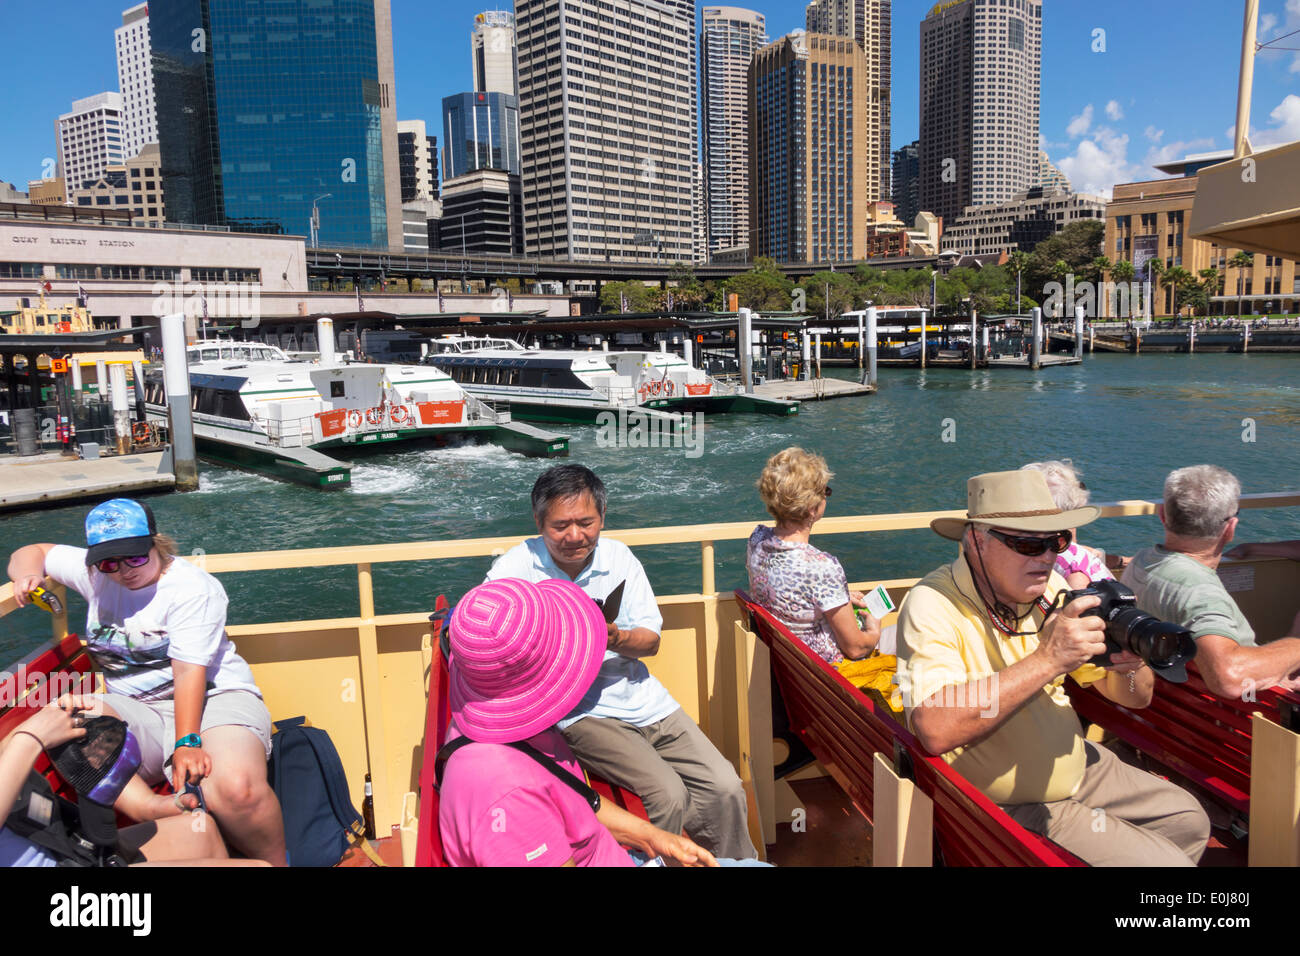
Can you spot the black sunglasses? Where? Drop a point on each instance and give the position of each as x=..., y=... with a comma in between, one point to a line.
x=109, y=565
x=1032, y=547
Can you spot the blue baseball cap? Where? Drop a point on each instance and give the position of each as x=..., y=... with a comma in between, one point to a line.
x=119, y=528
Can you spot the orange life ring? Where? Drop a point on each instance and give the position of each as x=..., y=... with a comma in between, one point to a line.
x=354, y=419
x=375, y=416
x=400, y=414
x=670, y=388
x=643, y=392
x=654, y=388
x=140, y=432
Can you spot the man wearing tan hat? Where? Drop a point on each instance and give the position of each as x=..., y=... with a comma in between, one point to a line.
x=983, y=657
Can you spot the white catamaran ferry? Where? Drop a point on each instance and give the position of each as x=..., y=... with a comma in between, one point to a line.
x=575, y=386
x=254, y=407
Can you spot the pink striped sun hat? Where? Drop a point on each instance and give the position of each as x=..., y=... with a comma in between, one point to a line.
x=523, y=655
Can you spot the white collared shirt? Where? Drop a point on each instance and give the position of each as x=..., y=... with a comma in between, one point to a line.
x=623, y=688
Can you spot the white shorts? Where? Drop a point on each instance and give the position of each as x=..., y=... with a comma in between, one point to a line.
x=153, y=723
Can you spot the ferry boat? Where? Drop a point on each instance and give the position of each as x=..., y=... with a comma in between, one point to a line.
x=576, y=386
x=256, y=408
x=712, y=662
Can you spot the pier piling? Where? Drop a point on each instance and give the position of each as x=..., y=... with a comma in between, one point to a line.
x=1036, y=339
x=1078, y=332
x=176, y=378
x=870, y=340
x=745, y=352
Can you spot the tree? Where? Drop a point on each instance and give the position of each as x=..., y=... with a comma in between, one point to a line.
x=1123, y=273
x=1178, y=278
x=638, y=297
x=1077, y=245
x=1156, y=269
x=843, y=292
x=1018, y=261
x=1098, y=268
x=764, y=287
x=1241, y=261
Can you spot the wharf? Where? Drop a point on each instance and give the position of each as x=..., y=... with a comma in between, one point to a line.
x=813, y=390
x=49, y=479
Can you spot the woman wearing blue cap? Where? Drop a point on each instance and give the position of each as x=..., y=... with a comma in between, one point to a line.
x=156, y=629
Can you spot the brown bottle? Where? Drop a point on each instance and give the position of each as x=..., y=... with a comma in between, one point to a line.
x=368, y=810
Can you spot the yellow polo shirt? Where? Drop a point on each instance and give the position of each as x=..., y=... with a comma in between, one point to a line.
x=945, y=640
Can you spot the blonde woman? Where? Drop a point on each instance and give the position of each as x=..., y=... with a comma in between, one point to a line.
x=806, y=589
x=1079, y=565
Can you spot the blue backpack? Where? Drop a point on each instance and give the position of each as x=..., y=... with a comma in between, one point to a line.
x=320, y=822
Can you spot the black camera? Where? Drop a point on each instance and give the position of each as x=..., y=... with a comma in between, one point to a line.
x=1166, y=647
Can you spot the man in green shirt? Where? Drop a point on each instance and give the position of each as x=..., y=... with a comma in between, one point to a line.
x=1177, y=582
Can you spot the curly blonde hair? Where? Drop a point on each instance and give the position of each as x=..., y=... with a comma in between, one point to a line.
x=793, y=484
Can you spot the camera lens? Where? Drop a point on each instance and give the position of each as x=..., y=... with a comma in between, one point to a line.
x=1157, y=642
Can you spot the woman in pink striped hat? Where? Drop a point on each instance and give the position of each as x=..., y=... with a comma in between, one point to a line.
x=512, y=794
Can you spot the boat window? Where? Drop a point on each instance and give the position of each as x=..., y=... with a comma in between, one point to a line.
x=336, y=389
x=210, y=354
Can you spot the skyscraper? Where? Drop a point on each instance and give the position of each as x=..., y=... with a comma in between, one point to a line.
x=417, y=157
x=479, y=131
x=496, y=61
x=728, y=40
x=135, y=80
x=906, y=173
x=262, y=115
x=607, y=127
x=980, y=68
x=814, y=165
x=89, y=138
x=870, y=22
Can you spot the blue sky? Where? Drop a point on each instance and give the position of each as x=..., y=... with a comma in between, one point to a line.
x=1164, y=85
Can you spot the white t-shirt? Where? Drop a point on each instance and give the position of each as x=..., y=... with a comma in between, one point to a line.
x=623, y=688
x=19, y=851
x=133, y=636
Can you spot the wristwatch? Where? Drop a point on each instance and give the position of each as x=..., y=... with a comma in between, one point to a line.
x=189, y=740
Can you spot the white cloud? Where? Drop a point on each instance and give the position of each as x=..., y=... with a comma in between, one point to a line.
x=1286, y=123
x=1172, y=151
x=1099, y=162
x=1114, y=111
x=1153, y=134
x=1080, y=124
x=1266, y=23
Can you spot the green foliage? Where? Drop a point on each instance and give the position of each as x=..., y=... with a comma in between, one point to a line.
x=639, y=298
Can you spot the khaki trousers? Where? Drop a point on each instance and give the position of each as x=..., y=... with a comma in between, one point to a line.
x=676, y=771
x=1121, y=816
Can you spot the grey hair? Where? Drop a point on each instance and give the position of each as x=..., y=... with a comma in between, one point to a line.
x=1199, y=500
x=564, y=482
x=1068, y=491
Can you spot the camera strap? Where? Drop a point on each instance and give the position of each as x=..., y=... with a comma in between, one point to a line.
x=1010, y=629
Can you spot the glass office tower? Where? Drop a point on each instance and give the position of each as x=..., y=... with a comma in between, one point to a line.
x=480, y=131
x=264, y=107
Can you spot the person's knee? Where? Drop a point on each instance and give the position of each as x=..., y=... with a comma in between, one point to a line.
x=239, y=791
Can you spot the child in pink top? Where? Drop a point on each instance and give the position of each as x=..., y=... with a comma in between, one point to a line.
x=501, y=808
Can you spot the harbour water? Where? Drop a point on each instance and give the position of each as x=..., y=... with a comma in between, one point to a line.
x=1125, y=420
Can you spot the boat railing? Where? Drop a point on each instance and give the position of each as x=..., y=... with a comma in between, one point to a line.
x=478, y=410
x=381, y=661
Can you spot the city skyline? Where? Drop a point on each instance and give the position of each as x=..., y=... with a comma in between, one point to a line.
x=1134, y=111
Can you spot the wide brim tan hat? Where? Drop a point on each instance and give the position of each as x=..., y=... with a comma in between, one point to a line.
x=1016, y=501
